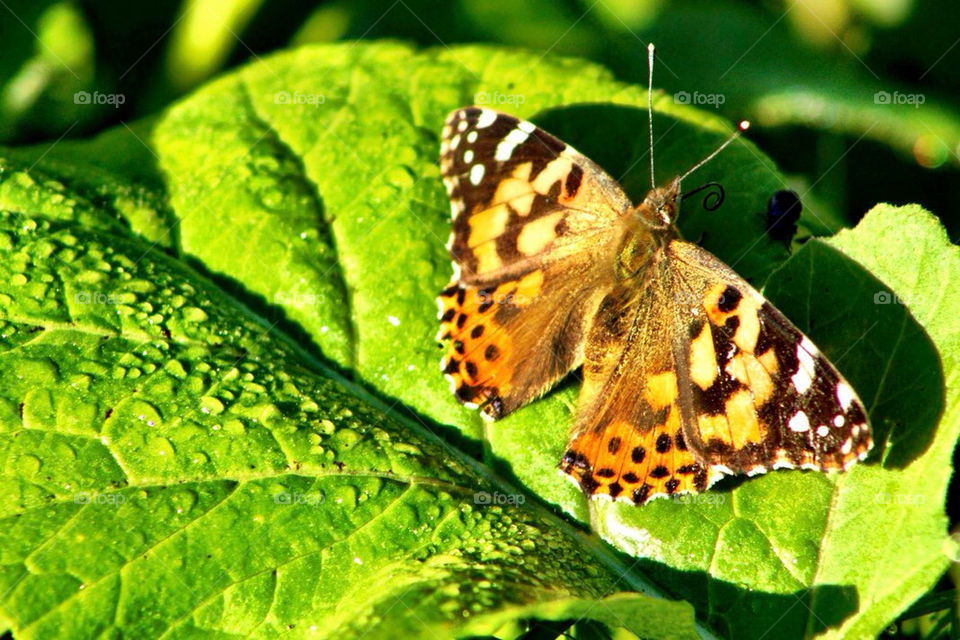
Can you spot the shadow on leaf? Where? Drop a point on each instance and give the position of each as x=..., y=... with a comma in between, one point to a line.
x=735, y=612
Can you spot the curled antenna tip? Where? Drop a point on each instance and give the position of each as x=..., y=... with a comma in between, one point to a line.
x=743, y=125
x=650, y=47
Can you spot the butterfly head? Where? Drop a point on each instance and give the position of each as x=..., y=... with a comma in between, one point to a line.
x=660, y=208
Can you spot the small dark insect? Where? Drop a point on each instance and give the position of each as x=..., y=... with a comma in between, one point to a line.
x=783, y=211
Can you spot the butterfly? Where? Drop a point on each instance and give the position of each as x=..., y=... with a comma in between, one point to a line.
x=689, y=374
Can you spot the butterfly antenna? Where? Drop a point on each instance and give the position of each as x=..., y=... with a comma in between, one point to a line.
x=742, y=126
x=653, y=180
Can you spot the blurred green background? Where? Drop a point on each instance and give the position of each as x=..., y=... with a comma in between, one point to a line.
x=855, y=99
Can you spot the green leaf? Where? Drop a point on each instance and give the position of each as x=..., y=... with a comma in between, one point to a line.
x=306, y=187
x=172, y=467
x=368, y=153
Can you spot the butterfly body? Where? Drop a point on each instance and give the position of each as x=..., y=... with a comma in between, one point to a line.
x=688, y=372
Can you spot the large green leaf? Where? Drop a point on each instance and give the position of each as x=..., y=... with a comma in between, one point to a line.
x=171, y=467
x=324, y=215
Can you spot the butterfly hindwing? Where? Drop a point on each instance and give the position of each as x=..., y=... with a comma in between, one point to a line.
x=511, y=342
x=758, y=393
x=628, y=442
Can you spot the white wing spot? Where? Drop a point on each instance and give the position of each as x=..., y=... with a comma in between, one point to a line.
x=803, y=378
x=845, y=395
x=508, y=144
x=487, y=118
x=847, y=447
x=468, y=156
x=799, y=422
x=526, y=127
x=476, y=174
x=472, y=137
x=838, y=421
x=455, y=141
x=823, y=431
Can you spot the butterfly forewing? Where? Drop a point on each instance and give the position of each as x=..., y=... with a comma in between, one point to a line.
x=519, y=197
x=759, y=394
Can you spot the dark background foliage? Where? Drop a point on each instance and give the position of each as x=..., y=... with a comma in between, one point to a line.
x=812, y=74
x=806, y=72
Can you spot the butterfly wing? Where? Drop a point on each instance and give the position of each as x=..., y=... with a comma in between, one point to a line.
x=691, y=374
x=628, y=442
x=757, y=392
x=531, y=217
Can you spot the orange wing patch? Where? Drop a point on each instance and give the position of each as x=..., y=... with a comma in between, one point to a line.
x=477, y=362
x=636, y=465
